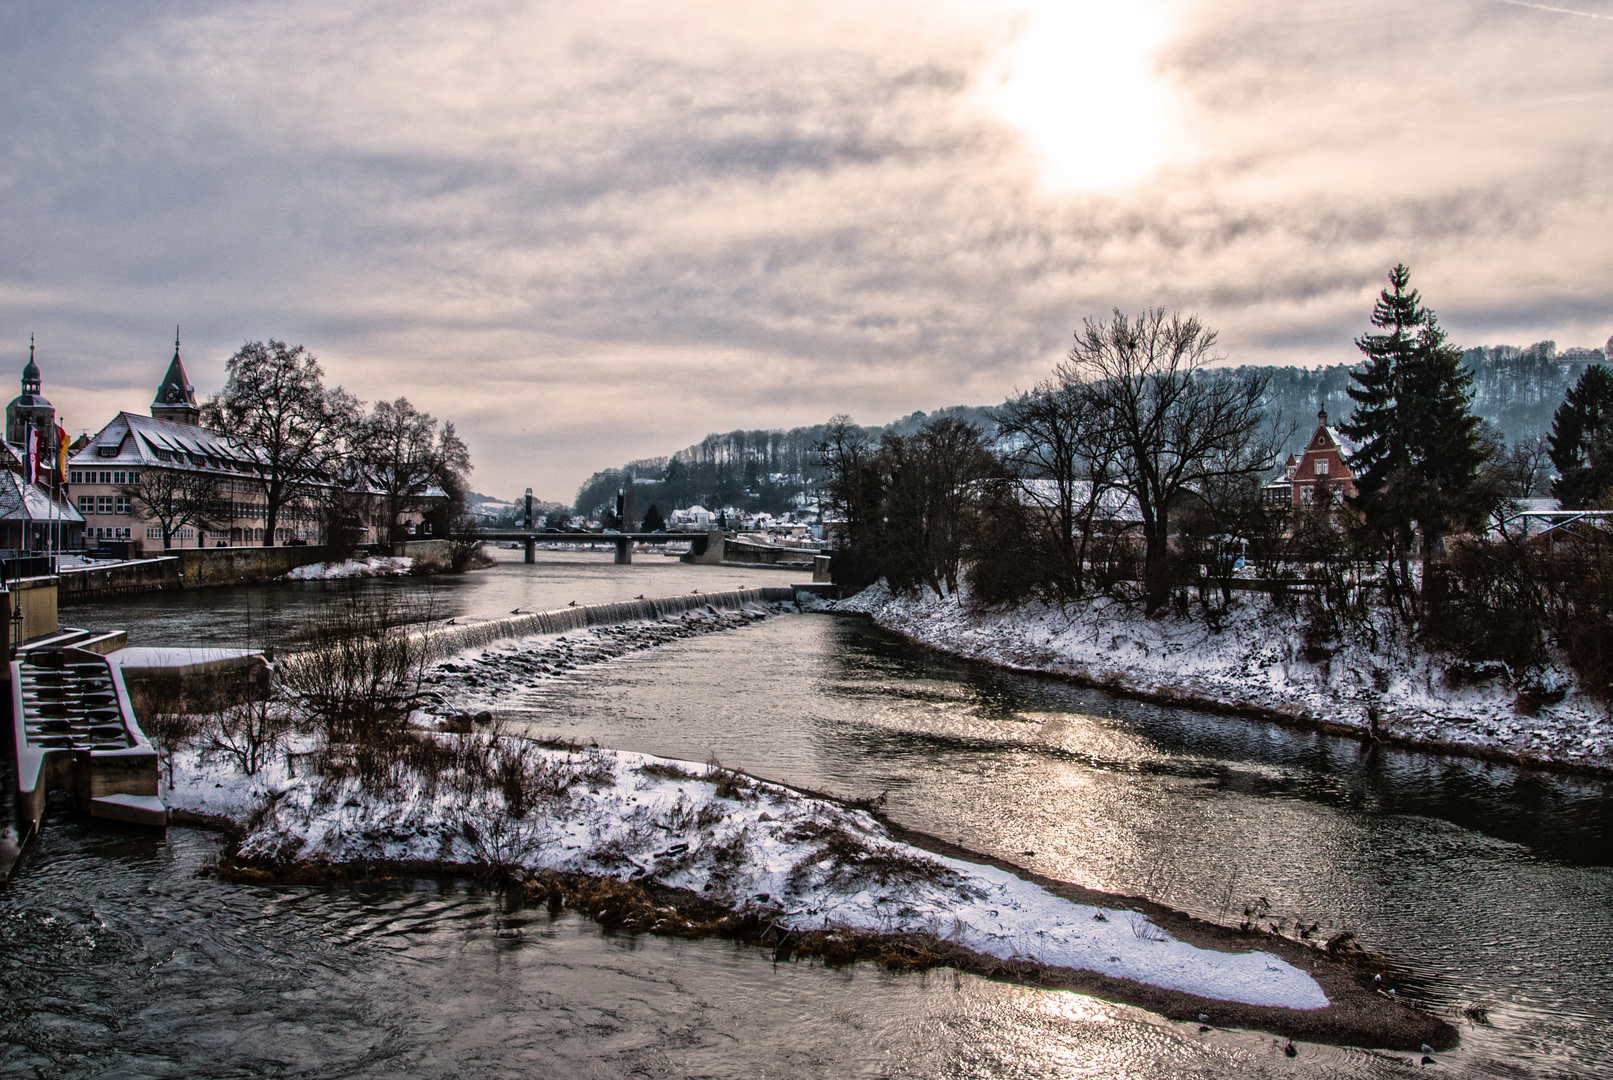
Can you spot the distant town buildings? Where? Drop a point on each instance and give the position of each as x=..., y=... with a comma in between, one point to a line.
x=109, y=493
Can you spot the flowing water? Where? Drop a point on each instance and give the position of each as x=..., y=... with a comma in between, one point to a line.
x=1489, y=887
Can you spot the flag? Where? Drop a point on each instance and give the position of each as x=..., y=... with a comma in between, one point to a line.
x=30, y=454
x=62, y=442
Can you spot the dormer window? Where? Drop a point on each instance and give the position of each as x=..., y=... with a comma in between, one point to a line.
x=1321, y=466
x=106, y=451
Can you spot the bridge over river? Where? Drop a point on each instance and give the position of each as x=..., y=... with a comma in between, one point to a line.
x=704, y=547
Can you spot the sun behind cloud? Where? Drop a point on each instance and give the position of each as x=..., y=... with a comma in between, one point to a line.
x=1079, y=80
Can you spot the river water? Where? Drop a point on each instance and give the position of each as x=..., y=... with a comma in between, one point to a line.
x=1488, y=886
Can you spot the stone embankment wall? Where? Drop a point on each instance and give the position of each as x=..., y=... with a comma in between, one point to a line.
x=184, y=569
x=446, y=640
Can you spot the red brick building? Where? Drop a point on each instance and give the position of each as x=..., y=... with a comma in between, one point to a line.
x=1321, y=474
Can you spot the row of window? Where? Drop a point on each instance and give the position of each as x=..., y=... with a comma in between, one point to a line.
x=103, y=504
x=119, y=504
x=104, y=476
x=154, y=532
x=112, y=533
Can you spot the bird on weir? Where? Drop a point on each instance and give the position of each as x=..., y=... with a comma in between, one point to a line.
x=572, y=604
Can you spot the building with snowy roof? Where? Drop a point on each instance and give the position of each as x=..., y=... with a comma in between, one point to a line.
x=105, y=478
x=35, y=515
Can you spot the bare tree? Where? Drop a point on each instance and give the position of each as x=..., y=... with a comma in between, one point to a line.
x=275, y=396
x=849, y=494
x=1175, y=427
x=404, y=456
x=930, y=479
x=177, y=498
x=1056, y=446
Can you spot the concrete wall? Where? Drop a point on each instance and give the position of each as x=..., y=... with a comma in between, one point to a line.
x=231, y=565
x=187, y=569
x=36, y=597
x=742, y=551
x=144, y=575
x=705, y=549
x=434, y=550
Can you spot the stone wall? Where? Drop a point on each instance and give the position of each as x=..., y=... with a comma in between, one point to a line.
x=232, y=565
x=139, y=576
x=185, y=569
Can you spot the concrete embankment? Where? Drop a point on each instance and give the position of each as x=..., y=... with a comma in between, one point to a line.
x=199, y=567
x=446, y=640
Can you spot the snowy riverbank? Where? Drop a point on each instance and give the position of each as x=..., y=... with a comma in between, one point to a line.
x=1255, y=664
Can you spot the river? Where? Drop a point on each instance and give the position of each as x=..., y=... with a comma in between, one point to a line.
x=1488, y=886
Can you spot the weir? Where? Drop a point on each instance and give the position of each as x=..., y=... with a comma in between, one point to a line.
x=446, y=640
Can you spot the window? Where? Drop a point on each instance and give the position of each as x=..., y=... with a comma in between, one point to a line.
x=103, y=504
x=120, y=478
x=134, y=478
x=163, y=455
x=106, y=477
x=106, y=451
x=153, y=532
x=1307, y=495
x=86, y=504
x=78, y=476
x=123, y=504
x=187, y=533
x=1321, y=466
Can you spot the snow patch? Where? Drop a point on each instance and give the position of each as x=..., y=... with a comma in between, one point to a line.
x=374, y=566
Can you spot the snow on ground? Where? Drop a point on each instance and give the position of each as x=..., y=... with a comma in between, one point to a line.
x=634, y=817
x=373, y=566
x=1255, y=662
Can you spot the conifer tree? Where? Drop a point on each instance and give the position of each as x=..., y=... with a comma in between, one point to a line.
x=1420, y=446
x=1581, y=440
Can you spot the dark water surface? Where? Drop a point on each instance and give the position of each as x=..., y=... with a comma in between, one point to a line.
x=1489, y=886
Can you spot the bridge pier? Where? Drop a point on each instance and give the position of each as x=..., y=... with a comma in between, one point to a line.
x=624, y=552
x=531, y=551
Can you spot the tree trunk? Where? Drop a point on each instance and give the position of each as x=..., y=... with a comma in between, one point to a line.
x=1156, y=568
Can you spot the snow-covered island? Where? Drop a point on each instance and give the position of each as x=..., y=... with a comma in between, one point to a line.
x=1255, y=663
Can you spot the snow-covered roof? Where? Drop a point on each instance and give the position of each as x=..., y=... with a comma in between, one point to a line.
x=1345, y=443
x=21, y=501
x=1114, y=504
x=134, y=439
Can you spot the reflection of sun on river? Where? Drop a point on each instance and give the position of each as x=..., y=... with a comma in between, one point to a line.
x=1490, y=885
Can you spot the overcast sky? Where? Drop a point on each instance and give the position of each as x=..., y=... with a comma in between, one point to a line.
x=588, y=232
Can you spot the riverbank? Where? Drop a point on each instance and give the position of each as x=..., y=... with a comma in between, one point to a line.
x=650, y=844
x=1257, y=665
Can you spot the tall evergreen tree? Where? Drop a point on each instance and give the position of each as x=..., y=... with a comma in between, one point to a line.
x=1581, y=440
x=1420, y=447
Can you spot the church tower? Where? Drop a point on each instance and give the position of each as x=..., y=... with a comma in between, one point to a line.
x=176, y=397
x=29, y=407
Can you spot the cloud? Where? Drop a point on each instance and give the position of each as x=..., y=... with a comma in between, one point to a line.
x=588, y=233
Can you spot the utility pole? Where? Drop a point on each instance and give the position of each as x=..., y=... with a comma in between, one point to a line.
x=531, y=543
